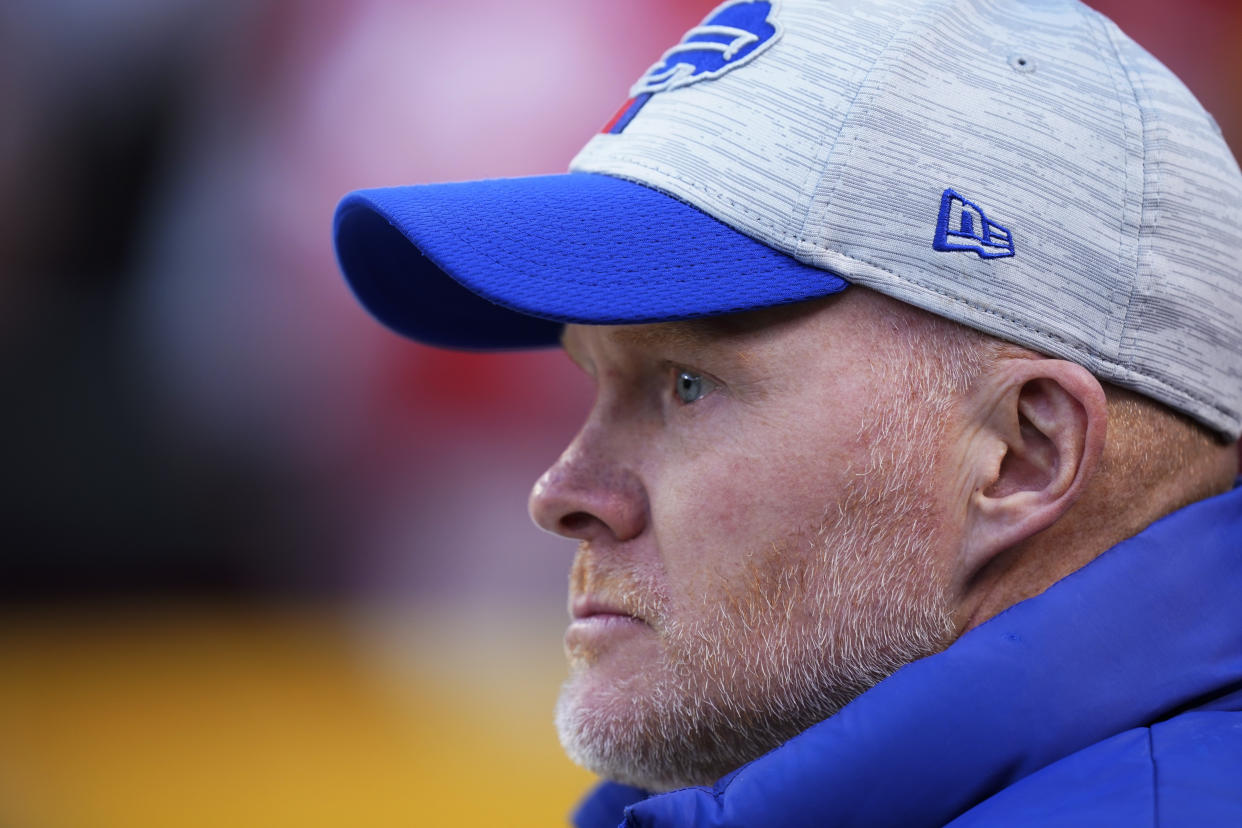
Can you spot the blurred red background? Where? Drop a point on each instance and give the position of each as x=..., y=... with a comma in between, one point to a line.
x=253, y=545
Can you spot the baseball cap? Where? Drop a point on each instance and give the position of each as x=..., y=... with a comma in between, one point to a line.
x=1023, y=168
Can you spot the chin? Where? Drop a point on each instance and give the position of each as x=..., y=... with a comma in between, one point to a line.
x=606, y=727
x=637, y=731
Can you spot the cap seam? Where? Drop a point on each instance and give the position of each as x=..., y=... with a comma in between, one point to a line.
x=825, y=160
x=1094, y=22
x=1148, y=218
x=1135, y=83
x=802, y=240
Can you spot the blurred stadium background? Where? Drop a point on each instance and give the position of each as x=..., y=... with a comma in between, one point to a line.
x=262, y=562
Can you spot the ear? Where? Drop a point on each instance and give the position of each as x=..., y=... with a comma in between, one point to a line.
x=1039, y=432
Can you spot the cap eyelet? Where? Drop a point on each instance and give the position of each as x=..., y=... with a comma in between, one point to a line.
x=1022, y=63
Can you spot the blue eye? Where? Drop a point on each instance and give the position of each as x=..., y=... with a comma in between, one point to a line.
x=692, y=387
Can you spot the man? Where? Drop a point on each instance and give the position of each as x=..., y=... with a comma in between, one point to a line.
x=908, y=496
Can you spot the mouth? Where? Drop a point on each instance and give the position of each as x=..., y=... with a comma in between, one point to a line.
x=598, y=626
x=583, y=607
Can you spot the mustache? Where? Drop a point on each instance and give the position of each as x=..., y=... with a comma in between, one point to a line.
x=616, y=582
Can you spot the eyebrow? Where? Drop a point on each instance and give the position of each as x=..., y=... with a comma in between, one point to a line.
x=692, y=333
x=687, y=335
x=703, y=331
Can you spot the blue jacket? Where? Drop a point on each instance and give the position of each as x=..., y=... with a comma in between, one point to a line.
x=1112, y=699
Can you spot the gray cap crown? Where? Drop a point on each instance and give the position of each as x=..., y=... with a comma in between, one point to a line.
x=874, y=138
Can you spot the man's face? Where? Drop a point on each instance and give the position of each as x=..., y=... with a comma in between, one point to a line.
x=762, y=536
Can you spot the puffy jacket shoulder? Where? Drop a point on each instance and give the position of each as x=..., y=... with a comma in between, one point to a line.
x=1186, y=771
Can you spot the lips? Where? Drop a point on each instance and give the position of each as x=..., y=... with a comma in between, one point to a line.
x=589, y=606
x=598, y=627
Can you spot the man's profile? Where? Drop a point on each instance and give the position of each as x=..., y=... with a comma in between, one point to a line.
x=908, y=495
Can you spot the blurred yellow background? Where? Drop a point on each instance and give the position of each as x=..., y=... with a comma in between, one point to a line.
x=293, y=716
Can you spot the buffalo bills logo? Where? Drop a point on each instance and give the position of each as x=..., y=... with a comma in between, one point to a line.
x=732, y=35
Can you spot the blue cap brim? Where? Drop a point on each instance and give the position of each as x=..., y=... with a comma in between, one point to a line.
x=505, y=263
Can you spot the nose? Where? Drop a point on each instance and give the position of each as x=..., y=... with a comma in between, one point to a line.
x=586, y=495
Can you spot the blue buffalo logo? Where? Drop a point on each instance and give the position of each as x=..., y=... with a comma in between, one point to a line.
x=732, y=35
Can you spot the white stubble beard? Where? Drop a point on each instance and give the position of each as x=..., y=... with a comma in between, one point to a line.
x=808, y=634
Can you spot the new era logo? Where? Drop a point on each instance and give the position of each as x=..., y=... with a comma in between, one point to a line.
x=964, y=226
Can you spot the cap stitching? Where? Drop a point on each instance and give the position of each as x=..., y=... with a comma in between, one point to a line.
x=1148, y=218
x=851, y=113
x=1135, y=84
x=1094, y=22
x=787, y=237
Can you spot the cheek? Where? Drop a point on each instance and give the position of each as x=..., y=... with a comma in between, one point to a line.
x=716, y=513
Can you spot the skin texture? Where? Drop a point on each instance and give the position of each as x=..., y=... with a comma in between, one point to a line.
x=851, y=485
